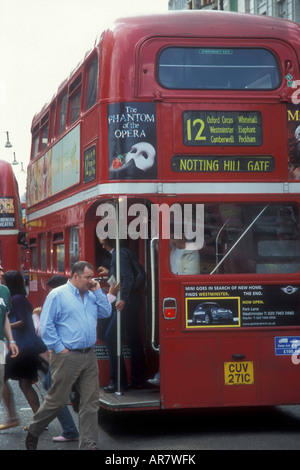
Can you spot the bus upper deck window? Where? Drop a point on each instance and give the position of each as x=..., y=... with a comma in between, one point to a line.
x=218, y=68
x=62, y=114
x=75, y=99
x=44, y=131
x=35, y=145
x=44, y=136
x=92, y=84
x=35, y=141
x=75, y=106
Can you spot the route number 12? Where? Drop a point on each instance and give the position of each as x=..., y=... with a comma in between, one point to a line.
x=199, y=125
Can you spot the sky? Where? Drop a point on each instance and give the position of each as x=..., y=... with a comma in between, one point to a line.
x=41, y=42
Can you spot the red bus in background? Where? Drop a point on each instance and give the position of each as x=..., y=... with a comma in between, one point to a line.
x=197, y=110
x=11, y=226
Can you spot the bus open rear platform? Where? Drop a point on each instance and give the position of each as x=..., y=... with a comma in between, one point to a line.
x=133, y=399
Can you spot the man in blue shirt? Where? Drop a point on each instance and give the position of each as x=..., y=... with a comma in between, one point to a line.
x=69, y=326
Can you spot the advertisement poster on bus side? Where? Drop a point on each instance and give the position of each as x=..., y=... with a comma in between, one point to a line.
x=56, y=170
x=242, y=305
x=7, y=212
x=293, y=130
x=132, y=141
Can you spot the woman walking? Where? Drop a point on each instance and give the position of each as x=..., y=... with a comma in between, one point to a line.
x=25, y=366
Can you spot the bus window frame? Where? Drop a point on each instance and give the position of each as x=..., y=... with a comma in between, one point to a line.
x=50, y=251
x=35, y=141
x=62, y=105
x=33, y=253
x=150, y=49
x=42, y=252
x=70, y=240
x=217, y=278
x=58, y=240
x=52, y=117
x=75, y=91
x=206, y=88
x=86, y=86
x=45, y=127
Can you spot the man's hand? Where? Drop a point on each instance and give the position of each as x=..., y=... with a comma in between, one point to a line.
x=103, y=271
x=120, y=305
x=114, y=289
x=94, y=285
x=64, y=351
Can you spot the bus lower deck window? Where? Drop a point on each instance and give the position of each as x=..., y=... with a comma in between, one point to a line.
x=242, y=238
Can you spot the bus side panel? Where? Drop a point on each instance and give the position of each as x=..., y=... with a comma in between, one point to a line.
x=10, y=252
x=190, y=372
x=194, y=372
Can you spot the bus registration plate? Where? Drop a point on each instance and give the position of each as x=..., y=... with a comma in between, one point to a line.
x=239, y=373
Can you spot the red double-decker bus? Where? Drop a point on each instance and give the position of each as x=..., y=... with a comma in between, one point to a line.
x=191, y=120
x=11, y=225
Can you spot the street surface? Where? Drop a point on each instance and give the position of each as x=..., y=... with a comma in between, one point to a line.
x=172, y=431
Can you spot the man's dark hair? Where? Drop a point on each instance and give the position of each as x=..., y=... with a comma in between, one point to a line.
x=111, y=242
x=80, y=266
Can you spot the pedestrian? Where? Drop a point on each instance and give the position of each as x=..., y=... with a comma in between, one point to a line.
x=129, y=304
x=68, y=326
x=24, y=368
x=5, y=332
x=69, y=430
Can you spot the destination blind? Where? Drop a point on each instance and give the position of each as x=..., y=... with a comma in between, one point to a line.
x=226, y=128
x=228, y=163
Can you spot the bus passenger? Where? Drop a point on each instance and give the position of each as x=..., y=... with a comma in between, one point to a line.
x=182, y=259
x=130, y=305
x=68, y=325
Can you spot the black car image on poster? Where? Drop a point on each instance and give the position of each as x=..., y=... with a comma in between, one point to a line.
x=132, y=141
x=212, y=311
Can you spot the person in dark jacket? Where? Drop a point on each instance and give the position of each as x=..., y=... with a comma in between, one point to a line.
x=129, y=304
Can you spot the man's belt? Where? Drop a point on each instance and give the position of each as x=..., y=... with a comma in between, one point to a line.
x=85, y=350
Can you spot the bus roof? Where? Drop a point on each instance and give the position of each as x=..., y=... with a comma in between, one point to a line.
x=129, y=31
x=213, y=24
x=8, y=183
